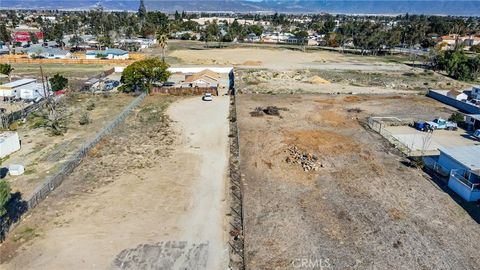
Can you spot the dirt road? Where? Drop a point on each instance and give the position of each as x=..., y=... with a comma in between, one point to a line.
x=152, y=196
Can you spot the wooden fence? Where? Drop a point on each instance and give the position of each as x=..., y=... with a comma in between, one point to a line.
x=23, y=59
x=185, y=91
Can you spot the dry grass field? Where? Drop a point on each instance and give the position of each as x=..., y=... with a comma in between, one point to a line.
x=360, y=208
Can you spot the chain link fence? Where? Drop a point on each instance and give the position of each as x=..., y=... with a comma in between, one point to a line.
x=7, y=120
x=53, y=181
x=378, y=126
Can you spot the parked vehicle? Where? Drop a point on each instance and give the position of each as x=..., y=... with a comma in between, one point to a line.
x=476, y=134
x=440, y=123
x=207, y=97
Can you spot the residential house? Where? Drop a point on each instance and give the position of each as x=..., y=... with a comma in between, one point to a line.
x=463, y=163
x=205, y=78
x=46, y=52
x=107, y=54
x=457, y=95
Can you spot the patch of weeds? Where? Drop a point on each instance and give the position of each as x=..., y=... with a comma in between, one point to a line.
x=30, y=171
x=26, y=234
x=91, y=106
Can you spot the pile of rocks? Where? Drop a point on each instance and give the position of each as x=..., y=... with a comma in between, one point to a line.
x=308, y=161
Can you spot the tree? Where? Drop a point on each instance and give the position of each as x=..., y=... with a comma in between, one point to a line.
x=5, y=35
x=58, y=82
x=475, y=48
x=140, y=75
x=457, y=117
x=4, y=196
x=142, y=11
x=6, y=69
x=34, y=38
x=162, y=42
x=75, y=40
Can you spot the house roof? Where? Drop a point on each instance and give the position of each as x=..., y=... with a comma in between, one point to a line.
x=108, y=51
x=468, y=156
x=41, y=50
x=17, y=83
x=454, y=93
x=475, y=116
x=206, y=75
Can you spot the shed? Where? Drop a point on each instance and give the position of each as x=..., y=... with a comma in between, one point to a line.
x=9, y=143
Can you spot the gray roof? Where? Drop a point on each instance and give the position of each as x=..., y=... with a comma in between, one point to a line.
x=469, y=156
x=475, y=116
x=108, y=51
x=41, y=50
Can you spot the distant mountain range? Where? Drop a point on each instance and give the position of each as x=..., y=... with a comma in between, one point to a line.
x=438, y=7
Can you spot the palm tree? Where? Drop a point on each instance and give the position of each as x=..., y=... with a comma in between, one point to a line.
x=162, y=41
x=6, y=69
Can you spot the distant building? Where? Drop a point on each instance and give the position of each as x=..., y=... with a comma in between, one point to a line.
x=49, y=53
x=107, y=54
x=473, y=121
x=22, y=34
x=457, y=95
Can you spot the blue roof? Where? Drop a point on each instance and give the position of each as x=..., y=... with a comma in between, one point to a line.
x=108, y=51
x=469, y=156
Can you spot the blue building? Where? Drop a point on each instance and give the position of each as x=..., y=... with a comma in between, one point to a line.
x=463, y=163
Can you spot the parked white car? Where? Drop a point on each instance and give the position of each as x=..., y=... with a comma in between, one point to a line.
x=207, y=97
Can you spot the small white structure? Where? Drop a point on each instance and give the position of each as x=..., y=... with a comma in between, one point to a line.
x=457, y=95
x=9, y=143
x=107, y=54
x=16, y=169
x=33, y=91
x=10, y=90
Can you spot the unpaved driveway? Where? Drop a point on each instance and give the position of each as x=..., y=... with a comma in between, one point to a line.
x=170, y=215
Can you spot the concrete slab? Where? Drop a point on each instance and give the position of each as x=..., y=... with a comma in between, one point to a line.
x=417, y=140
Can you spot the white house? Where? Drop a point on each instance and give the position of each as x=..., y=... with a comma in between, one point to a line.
x=50, y=53
x=457, y=95
x=10, y=90
x=107, y=54
x=9, y=143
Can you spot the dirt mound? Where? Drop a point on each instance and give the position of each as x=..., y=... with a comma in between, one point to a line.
x=326, y=143
x=252, y=63
x=317, y=80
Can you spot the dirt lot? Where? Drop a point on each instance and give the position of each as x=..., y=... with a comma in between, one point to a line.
x=150, y=196
x=321, y=189
x=280, y=70
x=68, y=70
x=42, y=153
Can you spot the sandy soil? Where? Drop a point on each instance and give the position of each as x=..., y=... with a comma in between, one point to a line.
x=361, y=209
x=281, y=59
x=149, y=196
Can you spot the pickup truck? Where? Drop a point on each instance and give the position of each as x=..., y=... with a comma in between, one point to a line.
x=440, y=123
